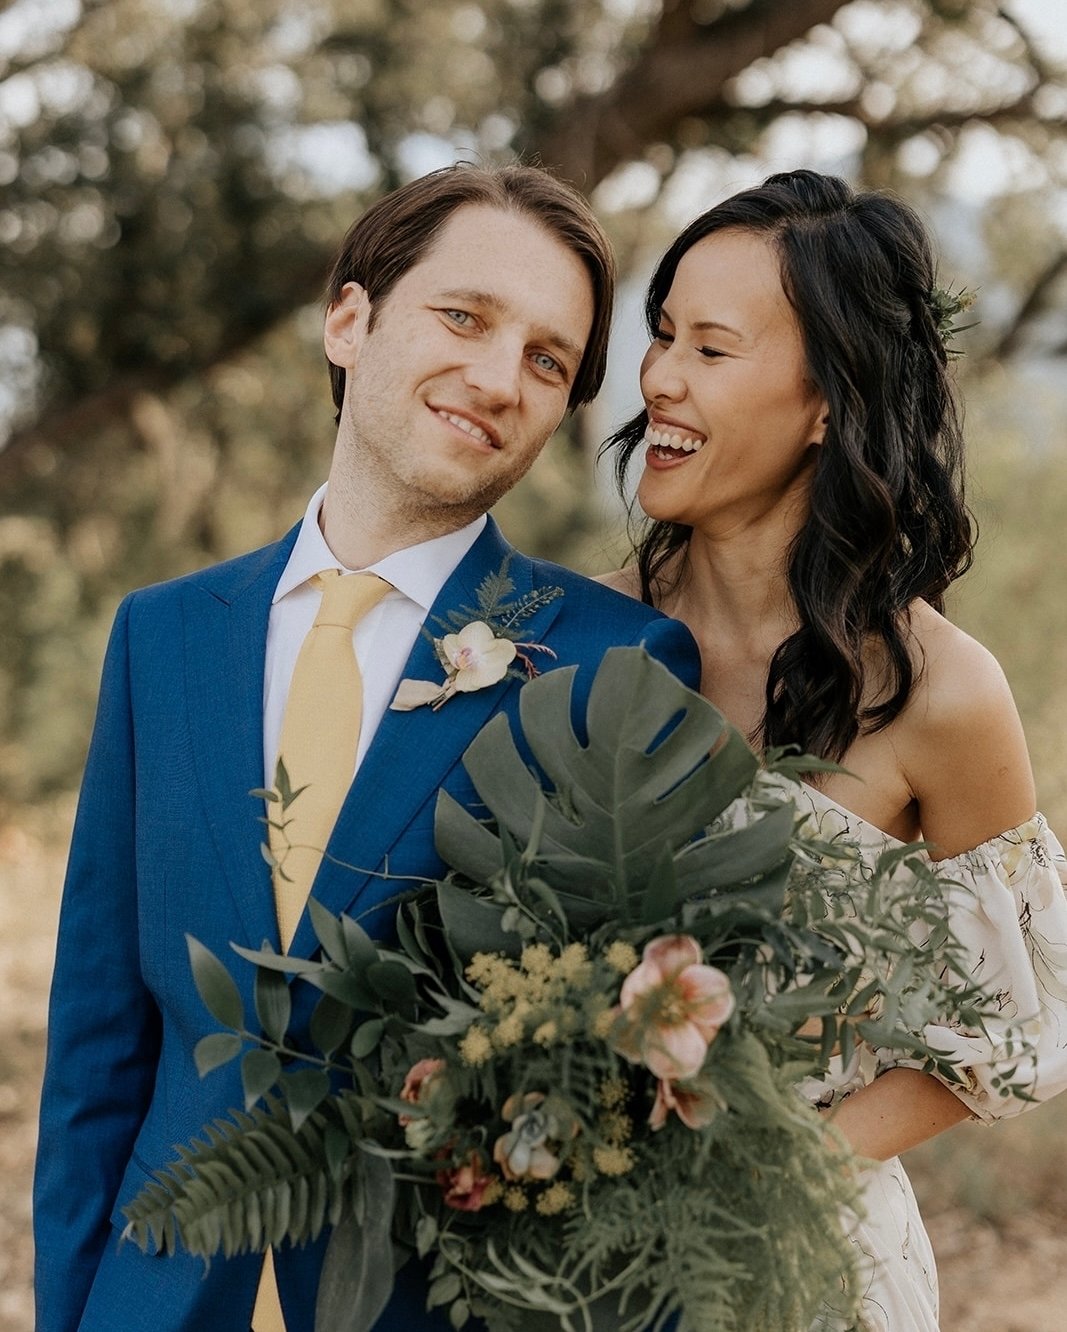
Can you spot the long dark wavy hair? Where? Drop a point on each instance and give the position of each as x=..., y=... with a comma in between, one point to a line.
x=887, y=521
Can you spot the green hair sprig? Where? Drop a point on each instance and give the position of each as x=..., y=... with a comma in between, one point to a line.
x=946, y=306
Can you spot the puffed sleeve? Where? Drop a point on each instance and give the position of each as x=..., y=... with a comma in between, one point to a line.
x=1007, y=907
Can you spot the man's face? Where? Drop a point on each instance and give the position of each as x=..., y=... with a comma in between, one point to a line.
x=465, y=369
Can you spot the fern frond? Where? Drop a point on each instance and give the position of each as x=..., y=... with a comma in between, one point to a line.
x=250, y=1182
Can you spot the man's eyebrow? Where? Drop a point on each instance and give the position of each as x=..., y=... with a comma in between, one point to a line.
x=493, y=302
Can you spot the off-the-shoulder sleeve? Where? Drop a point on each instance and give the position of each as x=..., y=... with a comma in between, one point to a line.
x=1008, y=909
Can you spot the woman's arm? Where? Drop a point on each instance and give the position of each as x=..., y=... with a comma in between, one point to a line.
x=896, y=1112
x=965, y=759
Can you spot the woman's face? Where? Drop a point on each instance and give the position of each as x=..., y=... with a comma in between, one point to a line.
x=733, y=418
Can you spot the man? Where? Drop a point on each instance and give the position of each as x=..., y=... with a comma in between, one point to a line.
x=466, y=312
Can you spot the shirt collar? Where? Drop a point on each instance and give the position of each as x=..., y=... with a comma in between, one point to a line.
x=419, y=571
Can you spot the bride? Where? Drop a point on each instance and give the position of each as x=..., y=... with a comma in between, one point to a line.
x=802, y=473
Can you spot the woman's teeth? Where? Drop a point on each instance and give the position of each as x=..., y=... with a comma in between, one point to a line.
x=667, y=444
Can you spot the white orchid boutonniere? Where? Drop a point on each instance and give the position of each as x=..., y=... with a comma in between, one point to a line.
x=482, y=645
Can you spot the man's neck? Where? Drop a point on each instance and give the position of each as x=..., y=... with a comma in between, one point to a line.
x=361, y=534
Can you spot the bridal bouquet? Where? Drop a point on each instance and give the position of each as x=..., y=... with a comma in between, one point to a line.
x=570, y=1087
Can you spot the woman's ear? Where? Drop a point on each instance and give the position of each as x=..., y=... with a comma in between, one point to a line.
x=345, y=326
x=819, y=433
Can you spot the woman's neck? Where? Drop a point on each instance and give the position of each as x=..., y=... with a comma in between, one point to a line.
x=733, y=594
x=734, y=586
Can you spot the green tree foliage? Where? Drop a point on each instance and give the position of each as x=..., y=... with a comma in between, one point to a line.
x=175, y=176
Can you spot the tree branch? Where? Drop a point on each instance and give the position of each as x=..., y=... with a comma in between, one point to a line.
x=69, y=420
x=682, y=71
x=1034, y=304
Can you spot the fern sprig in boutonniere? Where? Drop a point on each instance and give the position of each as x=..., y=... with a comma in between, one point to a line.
x=481, y=645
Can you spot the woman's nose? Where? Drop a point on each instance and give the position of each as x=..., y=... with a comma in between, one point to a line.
x=660, y=377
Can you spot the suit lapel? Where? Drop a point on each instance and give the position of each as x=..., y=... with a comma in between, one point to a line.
x=226, y=638
x=413, y=752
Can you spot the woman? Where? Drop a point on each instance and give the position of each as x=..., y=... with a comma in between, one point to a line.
x=802, y=473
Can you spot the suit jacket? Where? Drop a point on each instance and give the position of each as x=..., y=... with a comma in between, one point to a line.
x=166, y=843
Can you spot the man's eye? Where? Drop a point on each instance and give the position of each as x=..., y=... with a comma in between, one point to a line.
x=461, y=317
x=547, y=363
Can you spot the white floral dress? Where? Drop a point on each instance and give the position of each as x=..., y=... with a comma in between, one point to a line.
x=1009, y=911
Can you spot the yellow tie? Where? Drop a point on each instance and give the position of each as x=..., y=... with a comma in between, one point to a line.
x=320, y=736
x=319, y=740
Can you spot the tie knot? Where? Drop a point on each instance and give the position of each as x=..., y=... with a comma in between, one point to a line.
x=346, y=598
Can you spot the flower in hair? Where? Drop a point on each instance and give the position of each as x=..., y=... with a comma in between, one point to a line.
x=945, y=306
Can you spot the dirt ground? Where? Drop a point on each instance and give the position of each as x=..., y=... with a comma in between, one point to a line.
x=995, y=1201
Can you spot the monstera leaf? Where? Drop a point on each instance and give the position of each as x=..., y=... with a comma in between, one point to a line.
x=619, y=825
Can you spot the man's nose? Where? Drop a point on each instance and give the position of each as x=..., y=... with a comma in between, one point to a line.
x=495, y=371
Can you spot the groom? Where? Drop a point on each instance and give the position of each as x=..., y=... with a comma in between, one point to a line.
x=467, y=311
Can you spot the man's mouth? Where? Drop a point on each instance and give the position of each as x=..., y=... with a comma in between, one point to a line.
x=468, y=427
x=670, y=443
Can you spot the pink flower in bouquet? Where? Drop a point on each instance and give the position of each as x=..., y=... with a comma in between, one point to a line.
x=695, y=1106
x=419, y=1076
x=671, y=1008
x=523, y=1152
x=465, y=1184
x=419, y=1130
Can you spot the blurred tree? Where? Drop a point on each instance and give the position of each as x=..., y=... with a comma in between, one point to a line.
x=176, y=174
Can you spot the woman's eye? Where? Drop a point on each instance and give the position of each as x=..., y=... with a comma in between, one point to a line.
x=710, y=352
x=663, y=337
x=461, y=317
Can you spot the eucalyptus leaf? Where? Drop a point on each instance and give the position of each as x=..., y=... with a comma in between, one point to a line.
x=357, y=1273
x=392, y=982
x=215, y=985
x=425, y=1235
x=360, y=947
x=213, y=1051
x=304, y=1090
x=260, y=1070
x=366, y=1037
x=273, y=1003
x=472, y=924
x=347, y=988
x=328, y=931
x=444, y=1290
x=267, y=957
x=330, y=1023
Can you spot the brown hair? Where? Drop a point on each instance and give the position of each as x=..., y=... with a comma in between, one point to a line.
x=395, y=233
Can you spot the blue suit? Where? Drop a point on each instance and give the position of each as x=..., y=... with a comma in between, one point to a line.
x=167, y=843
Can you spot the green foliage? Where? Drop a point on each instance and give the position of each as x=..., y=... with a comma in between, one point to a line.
x=257, y=1181
x=613, y=801
x=494, y=1030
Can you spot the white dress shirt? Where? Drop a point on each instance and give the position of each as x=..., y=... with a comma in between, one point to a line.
x=382, y=639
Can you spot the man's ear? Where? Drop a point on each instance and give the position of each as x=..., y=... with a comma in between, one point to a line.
x=345, y=326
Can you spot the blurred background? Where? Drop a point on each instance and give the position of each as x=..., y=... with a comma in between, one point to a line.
x=174, y=175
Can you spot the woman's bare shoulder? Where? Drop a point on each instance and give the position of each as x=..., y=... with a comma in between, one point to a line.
x=960, y=739
x=626, y=581
x=959, y=680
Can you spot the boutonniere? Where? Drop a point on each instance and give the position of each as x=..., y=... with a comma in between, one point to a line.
x=479, y=646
